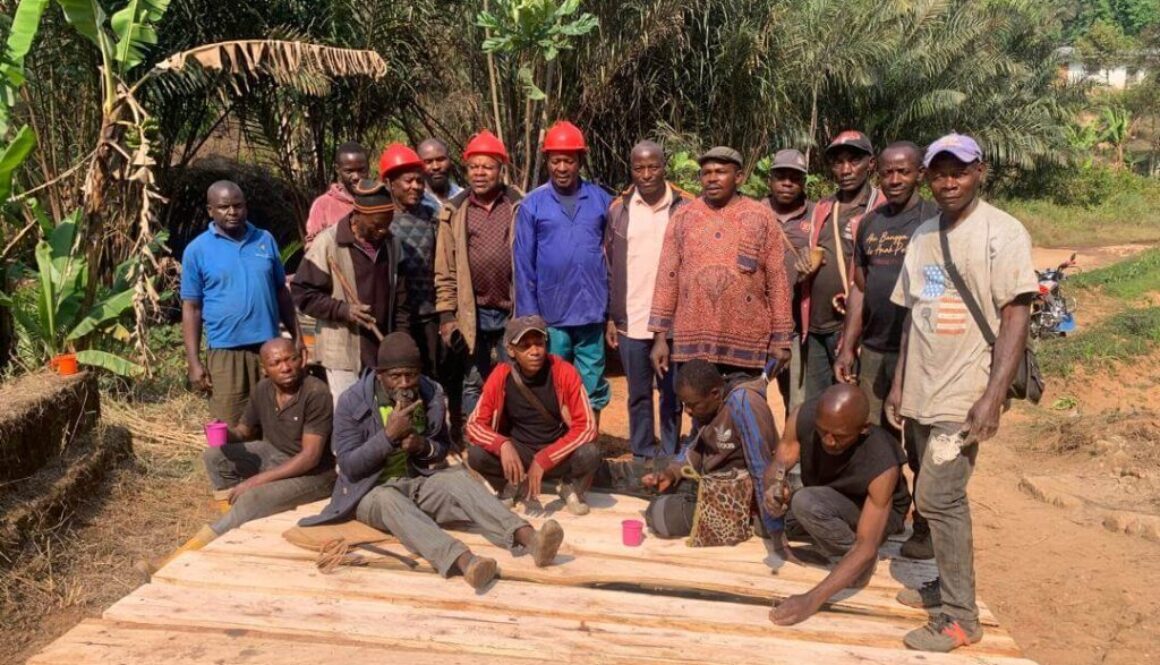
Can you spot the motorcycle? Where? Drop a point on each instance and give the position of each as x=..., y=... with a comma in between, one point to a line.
x=1052, y=312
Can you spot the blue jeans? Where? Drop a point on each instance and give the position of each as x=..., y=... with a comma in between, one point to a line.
x=583, y=346
x=489, y=352
x=641, y=378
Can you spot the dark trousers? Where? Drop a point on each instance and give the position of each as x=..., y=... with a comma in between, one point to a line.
x=638, y=369
x=444, y=366
x=821, y=350
x=489, y=352
x=830, y=519
x=581, y=464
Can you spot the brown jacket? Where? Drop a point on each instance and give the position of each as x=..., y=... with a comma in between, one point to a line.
x=454, y=291
x=341, y=345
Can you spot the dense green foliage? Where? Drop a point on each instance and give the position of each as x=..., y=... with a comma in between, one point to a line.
x=1126, y=279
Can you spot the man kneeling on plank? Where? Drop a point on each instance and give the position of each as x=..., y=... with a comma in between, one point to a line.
x=390, y=431
x=733, y=429
x=853, y=492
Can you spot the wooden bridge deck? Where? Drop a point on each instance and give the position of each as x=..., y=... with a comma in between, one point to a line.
x=251, y=597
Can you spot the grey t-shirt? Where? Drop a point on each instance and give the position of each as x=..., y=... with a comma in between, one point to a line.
x=948, y=360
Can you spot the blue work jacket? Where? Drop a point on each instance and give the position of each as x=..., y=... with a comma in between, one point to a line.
x=560, y=269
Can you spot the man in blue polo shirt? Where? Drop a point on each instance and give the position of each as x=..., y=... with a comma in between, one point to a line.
x=560, y=270
x=232, y=281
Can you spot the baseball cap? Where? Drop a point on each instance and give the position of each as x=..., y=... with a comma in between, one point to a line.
x=789, y=159
x=964, y=148
x=722, y=153
x=852, y=138
x=515, y=329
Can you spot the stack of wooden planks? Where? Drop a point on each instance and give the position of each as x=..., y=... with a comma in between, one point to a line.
x=251, y=597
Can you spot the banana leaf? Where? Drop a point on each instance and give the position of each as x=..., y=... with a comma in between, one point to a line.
x=110, y=361
x=102, y=313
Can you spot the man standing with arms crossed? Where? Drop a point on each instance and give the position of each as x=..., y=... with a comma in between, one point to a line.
x=951, y=384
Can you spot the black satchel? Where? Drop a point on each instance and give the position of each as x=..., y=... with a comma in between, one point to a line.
x=1028, y=382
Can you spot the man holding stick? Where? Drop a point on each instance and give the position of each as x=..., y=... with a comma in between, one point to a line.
x=350, y=281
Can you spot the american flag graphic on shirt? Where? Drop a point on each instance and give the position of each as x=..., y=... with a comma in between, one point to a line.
x=942, y=311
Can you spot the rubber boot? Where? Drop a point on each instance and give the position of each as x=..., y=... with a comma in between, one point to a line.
x=203, y=537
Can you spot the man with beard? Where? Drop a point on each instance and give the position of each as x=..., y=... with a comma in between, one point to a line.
x=390, y=438
x=441, y=188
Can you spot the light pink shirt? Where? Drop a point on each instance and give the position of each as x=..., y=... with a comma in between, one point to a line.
x=646, y=237
x=327, y=209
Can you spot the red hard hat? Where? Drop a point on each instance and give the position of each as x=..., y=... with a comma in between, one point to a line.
x=398, y=156
x=485, y=143
x=564, y=136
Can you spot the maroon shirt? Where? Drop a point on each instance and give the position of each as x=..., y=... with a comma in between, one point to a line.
x=489, y=252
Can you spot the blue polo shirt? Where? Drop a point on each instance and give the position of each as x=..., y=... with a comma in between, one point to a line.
x=237, y=283
x=560, y=270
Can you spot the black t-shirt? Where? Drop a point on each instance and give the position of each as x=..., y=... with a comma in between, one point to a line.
x=881, y=247
x=310, y=411
x=852, y=471
x=528, y=426
x=828, y=280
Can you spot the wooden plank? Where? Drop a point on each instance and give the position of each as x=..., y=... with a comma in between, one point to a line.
x=599, y=571
x=281, y=577
x=495, y=632
x=111, y=643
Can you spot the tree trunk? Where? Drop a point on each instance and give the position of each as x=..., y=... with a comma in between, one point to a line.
x=544, y=117
x=813, y=124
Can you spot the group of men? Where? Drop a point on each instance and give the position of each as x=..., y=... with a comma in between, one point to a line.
x=441, y=313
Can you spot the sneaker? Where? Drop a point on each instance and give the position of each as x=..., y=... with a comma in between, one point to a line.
x=924, y=597
x=480, y=571
x=918, y=546
x=572, y=500
x=943, y=634
x=546, y=542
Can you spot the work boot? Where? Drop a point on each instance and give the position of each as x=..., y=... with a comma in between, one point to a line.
x=944, y=633
x=546, y=542
x=919, y=545
x=924, y=597
x=479, y=571
x=572, y=500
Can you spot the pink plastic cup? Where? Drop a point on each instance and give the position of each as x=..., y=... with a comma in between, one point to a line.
x=216, y=433
x=632, y=532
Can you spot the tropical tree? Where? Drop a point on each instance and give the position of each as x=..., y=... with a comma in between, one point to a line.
x=1116, y=124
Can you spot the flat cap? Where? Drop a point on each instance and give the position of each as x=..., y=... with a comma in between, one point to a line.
x=789, y=159
x=721, y=154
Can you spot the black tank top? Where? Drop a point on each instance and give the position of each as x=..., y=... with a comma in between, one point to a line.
x=852, y=471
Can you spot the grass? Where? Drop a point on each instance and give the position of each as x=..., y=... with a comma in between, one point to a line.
x=1126, y=335
x=1127, y=279
x=1123, y=218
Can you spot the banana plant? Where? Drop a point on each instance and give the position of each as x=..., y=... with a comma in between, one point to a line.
x=58, y=322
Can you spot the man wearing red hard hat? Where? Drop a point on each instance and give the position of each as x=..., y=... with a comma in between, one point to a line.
x=473, y=263
x=402, y=170
x=560, y=269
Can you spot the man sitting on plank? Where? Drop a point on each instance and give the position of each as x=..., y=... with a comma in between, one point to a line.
x=278, y=455
x=853, y=492
x=390, y=430
x=733, y=429
x=534, y=422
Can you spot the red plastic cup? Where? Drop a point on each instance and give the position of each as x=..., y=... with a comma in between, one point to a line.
x=65, y=364
x=632, y=532
x=216, y=433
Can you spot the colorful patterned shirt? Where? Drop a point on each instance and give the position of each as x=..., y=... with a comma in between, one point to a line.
x=721, y=287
